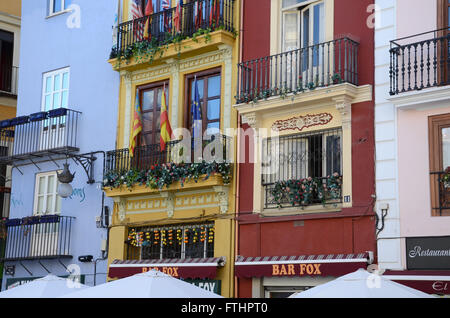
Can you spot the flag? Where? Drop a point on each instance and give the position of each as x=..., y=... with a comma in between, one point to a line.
x=165, y=5
x=137, y=125
x=214, y=14
x=196, y=111
x=148, y=12
x=136, y=12
x=177, y=16
x=166, y=129
x=198, y=14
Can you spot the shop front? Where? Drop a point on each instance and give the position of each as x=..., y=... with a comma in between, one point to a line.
x=428, y=265
x=279, y=277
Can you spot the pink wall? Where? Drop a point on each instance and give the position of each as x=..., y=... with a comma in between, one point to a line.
x=414, y=178
x=415, y=17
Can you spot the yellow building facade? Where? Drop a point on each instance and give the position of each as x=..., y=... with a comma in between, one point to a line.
x=185, y=227
x=10, y=12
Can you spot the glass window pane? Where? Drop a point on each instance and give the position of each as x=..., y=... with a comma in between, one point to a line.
x=446, y=147
x=147, y=121
x=48, y=102
x=56, y=5
x=291, y=29
x=158, y=98
x=49, y=208
x=65, y=99
x=58, y=204
x=56, y=100
x=319, y=18
x=51, y=184
x=147, y=100
x=214, y=109
x=306, y=28
x=48, y=84
x=214, y=86
x=65, y=81
x=215, y=126
x=40, y=205
x=41, y=185
x=57, y=84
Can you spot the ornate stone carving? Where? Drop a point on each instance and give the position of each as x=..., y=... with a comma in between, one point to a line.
x=121, y=208
x=301, y=122
x=222, y=195
x=344, y=106
x=250, y=119
x=169, y=197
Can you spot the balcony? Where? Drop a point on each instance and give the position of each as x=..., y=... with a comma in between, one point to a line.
x=39, y=135
x=38, y=237
x=153, y=170
x=440, y=193
x=8, y=81
x=198, y=20
x=420, y=62
x=320, y=65
x=303, y=170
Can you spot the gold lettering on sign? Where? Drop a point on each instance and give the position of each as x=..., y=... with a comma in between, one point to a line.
x=172, y=271
x=291, y=270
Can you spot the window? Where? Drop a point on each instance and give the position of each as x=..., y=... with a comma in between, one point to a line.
x=6, y=60
x=46, y=199
x=169, y=242
x=209, y=87
x=439, y=143
x=55, y=92
x=56, y=6
x=293, y=158
x=444, y=26
x=303, y=24
x=150, y=99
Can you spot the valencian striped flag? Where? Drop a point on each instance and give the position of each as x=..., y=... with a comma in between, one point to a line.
x=137, y=125
x=166, y=129
x=148, y=22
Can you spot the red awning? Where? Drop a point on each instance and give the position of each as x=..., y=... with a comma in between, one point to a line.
x=311, y=265
x=431, y=282
x=202, y=268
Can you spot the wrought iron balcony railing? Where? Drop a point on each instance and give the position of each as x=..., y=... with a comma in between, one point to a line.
x=303, y=169
x=319, y=65
x=52, y=132
x=120, y=161
x=8, y=80
x=440, y=185
x=169, y=26
x=38, y=237
x=420, y=61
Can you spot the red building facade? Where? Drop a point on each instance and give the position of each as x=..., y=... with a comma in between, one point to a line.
x=305, y=61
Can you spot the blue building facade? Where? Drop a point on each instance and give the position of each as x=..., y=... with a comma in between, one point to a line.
x=66, y=113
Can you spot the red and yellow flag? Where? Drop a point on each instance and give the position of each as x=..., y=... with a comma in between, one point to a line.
x=148, y=12
x=166, y=129
x=137, y=126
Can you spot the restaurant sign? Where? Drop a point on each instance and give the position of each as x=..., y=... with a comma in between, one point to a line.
x=428, y=253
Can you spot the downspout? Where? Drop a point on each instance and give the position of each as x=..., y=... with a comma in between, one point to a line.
x=236, y=222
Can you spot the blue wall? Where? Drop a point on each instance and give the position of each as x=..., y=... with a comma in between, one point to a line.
x=48, y=44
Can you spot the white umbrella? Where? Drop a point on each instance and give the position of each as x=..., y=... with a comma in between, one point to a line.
x=361, y=284
x=48, y=287
x=152, y=284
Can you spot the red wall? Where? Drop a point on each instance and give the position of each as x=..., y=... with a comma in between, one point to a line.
x=352, y=230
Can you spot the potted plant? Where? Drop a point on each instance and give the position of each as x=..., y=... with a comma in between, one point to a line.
x=446, y=178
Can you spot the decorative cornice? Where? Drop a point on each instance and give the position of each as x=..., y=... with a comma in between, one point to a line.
x=121, y=208
x=301, y=122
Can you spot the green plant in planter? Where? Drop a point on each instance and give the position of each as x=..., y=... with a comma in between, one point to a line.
x=336, y=78
x=445, y=179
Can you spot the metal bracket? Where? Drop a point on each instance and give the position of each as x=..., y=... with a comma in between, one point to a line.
x=87, y=162
x=44, y=267
x=31, y=274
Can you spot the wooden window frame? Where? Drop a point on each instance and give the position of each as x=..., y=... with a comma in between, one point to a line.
x=141, y=90
x=435, y=126
x=187, y=105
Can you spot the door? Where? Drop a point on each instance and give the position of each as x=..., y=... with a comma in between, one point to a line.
x=44, y=239
x=149, y=152
x=55, y=95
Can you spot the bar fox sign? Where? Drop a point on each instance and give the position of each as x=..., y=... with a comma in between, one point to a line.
x=296, y=269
